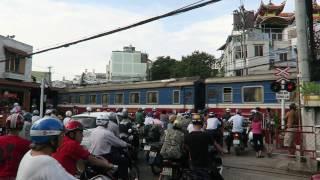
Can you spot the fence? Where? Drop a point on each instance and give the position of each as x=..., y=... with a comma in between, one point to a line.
x=297, y=141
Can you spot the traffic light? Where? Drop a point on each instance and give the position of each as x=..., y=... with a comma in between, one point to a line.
x=290, y=86
x=275, y=86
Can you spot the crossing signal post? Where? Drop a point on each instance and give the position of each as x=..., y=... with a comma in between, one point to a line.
x=282, y=87
x=289, y=86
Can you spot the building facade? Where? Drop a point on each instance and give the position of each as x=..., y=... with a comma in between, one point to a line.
x=128, y=64
x=15, y=74
x=265, y=40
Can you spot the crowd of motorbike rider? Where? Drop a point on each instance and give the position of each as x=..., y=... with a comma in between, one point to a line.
x=53, y=144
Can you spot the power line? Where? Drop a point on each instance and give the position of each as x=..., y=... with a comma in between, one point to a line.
x=172, y=13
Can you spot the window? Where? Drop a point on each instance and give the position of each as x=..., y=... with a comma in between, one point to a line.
x=252, y=94
x=152, y=97
x=92, y=99
x=227, y=95
x=176, y=97
x=82, y=99
x=14, y=62
x=238, y=52
x=211, y=94
x=105, y=99
x=134, y=98
x=118, y=99
x=74, y=99
x=283, y=57
x=258, y=50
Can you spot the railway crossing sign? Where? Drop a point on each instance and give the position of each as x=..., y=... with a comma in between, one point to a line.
x=282, y=73
x=283, y=95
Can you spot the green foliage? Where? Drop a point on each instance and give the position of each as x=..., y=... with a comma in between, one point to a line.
x=196, y=64
x=162, y=68
x=310, y=88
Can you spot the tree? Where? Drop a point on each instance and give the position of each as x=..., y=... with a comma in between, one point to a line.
x=197, y=64
x=162, y=68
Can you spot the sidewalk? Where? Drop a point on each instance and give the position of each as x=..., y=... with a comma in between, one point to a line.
x=275, y=167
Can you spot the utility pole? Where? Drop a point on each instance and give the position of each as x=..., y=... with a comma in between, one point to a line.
x=303, y=65
x=242, y=15
x=50, y=67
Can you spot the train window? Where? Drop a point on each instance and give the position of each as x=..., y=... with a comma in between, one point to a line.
x=176, y=97
x=82, y=99
x=74, y=99
x=118, y=99
x=152, y=97
x=93, y=99
x=105, y=99
x=252, y=94
x=227, y=95
x=134, y=98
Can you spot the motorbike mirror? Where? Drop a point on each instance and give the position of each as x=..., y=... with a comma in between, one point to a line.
x=81, y=166
x=129, y=130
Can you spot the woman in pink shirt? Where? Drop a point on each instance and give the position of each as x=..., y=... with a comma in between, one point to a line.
x=256, y=128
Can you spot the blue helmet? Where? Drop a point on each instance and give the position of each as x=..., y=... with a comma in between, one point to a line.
x=43, y=130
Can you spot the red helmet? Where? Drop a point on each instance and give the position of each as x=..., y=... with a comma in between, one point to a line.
x=73, y=125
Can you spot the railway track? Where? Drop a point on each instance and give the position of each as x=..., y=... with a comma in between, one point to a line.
x=265, y=171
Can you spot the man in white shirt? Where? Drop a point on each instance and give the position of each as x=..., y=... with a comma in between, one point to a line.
x=104, y=143
x=46, y=135
x=237, y=122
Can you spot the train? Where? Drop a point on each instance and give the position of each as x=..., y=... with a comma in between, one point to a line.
x=181, y=94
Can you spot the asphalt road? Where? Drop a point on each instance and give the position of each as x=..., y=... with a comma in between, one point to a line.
x=245, y=167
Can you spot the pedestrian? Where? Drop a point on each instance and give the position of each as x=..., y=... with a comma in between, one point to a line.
x=256, y=127
x=291, y=128
x=270, y=131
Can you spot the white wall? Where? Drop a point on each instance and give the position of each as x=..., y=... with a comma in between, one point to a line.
x=4, y=41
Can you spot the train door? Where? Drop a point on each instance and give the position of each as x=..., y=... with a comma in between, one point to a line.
x=199, y=95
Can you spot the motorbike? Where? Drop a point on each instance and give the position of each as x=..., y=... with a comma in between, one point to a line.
x=171, y=169
x=153, y=157
x=238, y=143
x=131, y=137
x=88, y=171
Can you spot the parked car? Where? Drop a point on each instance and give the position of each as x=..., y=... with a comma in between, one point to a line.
x=88, y=120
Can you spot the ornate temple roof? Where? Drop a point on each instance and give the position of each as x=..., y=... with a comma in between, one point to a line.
x=272, y=14
x=270, y=8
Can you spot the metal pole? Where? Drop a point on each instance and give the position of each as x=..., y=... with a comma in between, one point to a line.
x=41, y=97
x=283, y=106
x=302, y=39
x=303, y=59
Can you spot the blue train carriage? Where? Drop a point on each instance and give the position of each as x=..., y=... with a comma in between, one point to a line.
x=245, y=93
x=170, y=94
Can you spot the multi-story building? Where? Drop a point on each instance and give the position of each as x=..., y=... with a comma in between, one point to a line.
x=128, y=64
x=260, y=42
x=15, y=73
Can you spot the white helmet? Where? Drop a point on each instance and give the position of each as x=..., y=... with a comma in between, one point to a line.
x=89, y=109
x=16, y=104
x=35, y=112
x=102, y=120
x=48, y=112
x=68, y=113
x=228, y=110
x=154, y=109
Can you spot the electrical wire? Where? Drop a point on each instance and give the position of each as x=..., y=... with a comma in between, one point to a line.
x=172, y=13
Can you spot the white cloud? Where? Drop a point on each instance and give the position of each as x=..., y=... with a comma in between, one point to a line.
x=44, y=23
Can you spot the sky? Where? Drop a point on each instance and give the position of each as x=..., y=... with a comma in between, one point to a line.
x=46, y=23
